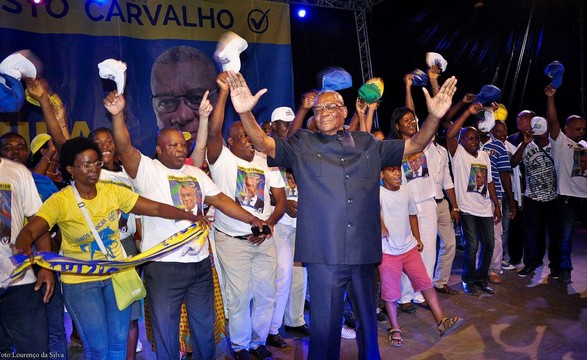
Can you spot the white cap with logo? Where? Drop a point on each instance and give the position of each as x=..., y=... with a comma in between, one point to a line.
x=283, y=113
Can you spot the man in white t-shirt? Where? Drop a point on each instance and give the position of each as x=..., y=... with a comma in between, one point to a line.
x=248, y=266
x=184, y=275
x=569, y=150
x=475, y=207
x=22, y=310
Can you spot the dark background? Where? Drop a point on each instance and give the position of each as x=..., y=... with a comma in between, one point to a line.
x=504, y=42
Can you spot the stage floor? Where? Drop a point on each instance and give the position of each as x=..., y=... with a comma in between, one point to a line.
x=528, y=318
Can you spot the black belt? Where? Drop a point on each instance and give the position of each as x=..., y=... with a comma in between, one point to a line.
x=241, y=237
x=438, y=201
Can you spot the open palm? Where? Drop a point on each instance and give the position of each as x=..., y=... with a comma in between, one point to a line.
x=439, y=105
x=240, y=94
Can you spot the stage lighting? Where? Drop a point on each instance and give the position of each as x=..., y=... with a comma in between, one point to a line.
x=302, y=13
x=37, y=2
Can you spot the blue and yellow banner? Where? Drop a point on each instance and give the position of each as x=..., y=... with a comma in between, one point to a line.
x=72, y=36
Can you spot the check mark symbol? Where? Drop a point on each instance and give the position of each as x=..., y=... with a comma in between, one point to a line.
x=258, y=24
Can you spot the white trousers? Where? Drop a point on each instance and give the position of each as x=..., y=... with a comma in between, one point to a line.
x=283, y=274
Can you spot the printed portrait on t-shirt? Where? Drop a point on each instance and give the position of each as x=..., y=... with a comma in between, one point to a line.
x=415, y=166
x=250, y=185
x=478, y=179
x=5, y=213
x=579, y=162
x=186, y=194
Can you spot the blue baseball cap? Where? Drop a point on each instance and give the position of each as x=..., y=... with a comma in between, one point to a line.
x=420, y=78
x=11, y=94
x=555, y=71
x=488, y=93
x=336, y=79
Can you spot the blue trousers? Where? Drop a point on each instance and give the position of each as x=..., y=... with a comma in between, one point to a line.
x=567, y=210
x=327, y=287
x=540, y=218
x=168, y=285
x=478, y=231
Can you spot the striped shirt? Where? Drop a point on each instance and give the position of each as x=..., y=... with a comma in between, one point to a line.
x=500, y=161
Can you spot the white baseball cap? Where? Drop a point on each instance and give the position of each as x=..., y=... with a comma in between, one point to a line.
x=228, y=51
x=283, y=113
x=539, y=125
x=433, y=58
x=487, y=121
x=114, y=70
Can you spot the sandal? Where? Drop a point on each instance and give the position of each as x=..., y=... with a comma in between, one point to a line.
x=395, y=338
x=446, y=325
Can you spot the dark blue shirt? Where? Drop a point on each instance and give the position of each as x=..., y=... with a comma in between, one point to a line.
x=338, y=180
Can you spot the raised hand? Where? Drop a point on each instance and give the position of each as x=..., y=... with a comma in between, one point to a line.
x=114, y=103
x=439, y=104
x=433, y=72
x=222, y=81
x=242, y=99
x=408, y=79
x=36, y=88
x=308, y=99
x=469, y=98
x=205, y=106
x=550, y=91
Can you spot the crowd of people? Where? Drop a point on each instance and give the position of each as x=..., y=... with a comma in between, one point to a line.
x=323, y=207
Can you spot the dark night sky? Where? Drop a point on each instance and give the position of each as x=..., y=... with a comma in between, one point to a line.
x=505, y=43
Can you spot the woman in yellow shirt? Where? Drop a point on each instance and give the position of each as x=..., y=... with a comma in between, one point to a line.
x=90, y=299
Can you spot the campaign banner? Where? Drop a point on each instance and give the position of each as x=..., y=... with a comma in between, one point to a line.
x=71, y=37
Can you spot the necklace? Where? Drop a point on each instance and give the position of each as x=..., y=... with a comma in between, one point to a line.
x=51, y=173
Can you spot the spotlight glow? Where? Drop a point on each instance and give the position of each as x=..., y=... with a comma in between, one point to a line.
x=302, y=13
x=37, y=1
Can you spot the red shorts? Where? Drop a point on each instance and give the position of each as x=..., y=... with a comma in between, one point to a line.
x=391, y=269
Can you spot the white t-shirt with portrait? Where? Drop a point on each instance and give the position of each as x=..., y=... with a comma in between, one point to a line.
x=416, y=173
x=396, y=208
x=472, y=176
x=18, y=199
x=157, y=182
x=236, y=177
x=570, y=160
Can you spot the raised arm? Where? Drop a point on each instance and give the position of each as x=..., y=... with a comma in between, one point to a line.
x=553, y=125
x=305, y=107
x=199, y=154
x=517, y=157
x=451, y=113
x=214, y=142
x=437, y=107
x=128, y=154
x=455, y=128
x=144, y=206
x=433, y=73
x=243, y=102
x=38, y=91
x=408, y=78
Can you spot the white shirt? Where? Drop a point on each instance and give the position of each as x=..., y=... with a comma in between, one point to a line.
x=465, y=168
x=229, y=172
x=18, y=199
x=438, y=167
x=567, y=157
x=421, y=183
x=157, y=182
x=396, y=208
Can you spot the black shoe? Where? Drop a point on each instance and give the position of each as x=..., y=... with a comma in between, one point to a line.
x=298, y=330
x=526, y=270
x=469, y=288
x=460, y=247
x=276, y=341
x=381, y=315
x=241, y=355
x=554, y=274
x=565, y=277
x=408, y=308
x=349, y=320
x=261, y=353
x=484, y=287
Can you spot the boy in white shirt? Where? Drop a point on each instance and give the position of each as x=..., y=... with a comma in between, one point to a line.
x=401, y=246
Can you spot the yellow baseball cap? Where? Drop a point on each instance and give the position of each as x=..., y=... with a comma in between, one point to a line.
x=39, y=141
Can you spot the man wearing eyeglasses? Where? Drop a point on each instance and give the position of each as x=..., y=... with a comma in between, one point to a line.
x=179, y=78
x=339, y=228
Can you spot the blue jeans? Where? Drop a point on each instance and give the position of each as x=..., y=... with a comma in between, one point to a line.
x=567, y=210
x=23, y=324
x=327, y=286
x=505, y=224
x=103, y=328
x=540, y=218
x=168, y=285
x=477, y=231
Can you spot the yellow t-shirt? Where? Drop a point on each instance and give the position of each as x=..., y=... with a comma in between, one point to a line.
x=78, y=241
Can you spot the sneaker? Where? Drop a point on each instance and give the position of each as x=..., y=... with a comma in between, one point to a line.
x=554, y=274
x=519, y=266
x=446, y=325
x=527, y=270
x=506, y=265
x=349, y=320
x=139, y=346
x=347, y=333
x=261, y=352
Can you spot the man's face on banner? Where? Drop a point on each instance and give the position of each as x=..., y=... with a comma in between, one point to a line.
x=177, y=92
